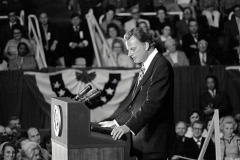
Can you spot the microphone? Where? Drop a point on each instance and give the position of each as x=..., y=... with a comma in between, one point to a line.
x=91, y=96
x=83, y=92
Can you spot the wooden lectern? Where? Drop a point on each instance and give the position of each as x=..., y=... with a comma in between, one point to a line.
x=72, y=138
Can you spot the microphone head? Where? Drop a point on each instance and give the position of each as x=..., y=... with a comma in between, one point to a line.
x=83, y=92
x=93, y=95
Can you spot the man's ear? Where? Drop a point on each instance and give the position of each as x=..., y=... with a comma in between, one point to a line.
x=147, y=46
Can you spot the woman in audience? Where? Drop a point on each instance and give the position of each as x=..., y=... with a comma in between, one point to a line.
x=10, y=50
x=31, y=151
x=194, y=116
x=112, y=33
x=109, y=18
x=120, y=54
x=165, y=35
x=8, y=152
x=24, y=59
x=174, y=56
x=230, y=143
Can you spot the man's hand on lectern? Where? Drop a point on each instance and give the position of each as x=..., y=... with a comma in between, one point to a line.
x=118, y=132
x=109, y=124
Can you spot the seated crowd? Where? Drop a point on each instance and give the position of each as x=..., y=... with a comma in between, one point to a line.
x=207, y=34
x=18, y=144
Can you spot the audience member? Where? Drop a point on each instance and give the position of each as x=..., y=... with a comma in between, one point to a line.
x=24, y=59
x=194, y=116
x=192, y=4
x=182, y=25
x=214, y=99
x=112, y=33
x=120, y=54
x=179, y=145
x=10, y=50
x=8, y=152
x=14, y=121
x=31, y=151
x=120, y=5
x=78, y=42
x=203, y=57
x=109, y=17
x=160, y=20
x=3, y=64
x=19, y=144
x=194, y=145
x=174, y=56
x=6, y=29
x=209, y=9
x=237, y=119
x=165, y=34
x=47, y=143
x=232, y=37
x=48, y=31
x=34, y=136
x=190, y=40
x=226, y=6
x=230, y=143
x=135, y=19
x=3, y=134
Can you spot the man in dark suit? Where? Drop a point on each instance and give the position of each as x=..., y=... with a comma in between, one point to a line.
x=214, y=99
x=78, y=42
x=232, y=36
x=190, y=40
x=49, y=38
x=203, y=56
x=193, y=146
x=150, y=116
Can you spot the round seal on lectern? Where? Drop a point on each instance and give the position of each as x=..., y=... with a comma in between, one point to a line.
x=57, y=120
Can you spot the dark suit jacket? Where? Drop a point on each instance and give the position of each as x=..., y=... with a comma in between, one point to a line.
x=220, y=101
x=195, y=60
x=182, y=28
x=52, y=30
x=150, y=114
x=187, y=41
x=192, y=150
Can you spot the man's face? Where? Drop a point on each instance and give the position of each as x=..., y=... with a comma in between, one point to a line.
x=135, y=14
x=12, y=17
x=237, y=12
x=2, y=131
x=136, y=50
x=75, y=21
x=181, y=129
x=193, y=27
x=43, y=18
x=187, y=14
x=112, y=32
x=202, y=46
x=210, y=83
x=33, y=135
x=110, y=15
x=15, y=123
x=161, y=14
x=197, y=130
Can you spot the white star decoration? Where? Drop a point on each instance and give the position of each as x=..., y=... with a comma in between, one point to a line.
x=56, y=85
x=109, y=91
x=114, y=81
x=61, y=93
x=104, y=99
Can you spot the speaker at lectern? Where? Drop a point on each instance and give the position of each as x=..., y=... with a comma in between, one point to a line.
x=74, y=137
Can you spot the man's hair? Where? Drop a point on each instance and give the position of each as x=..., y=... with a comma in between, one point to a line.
x=110, y=8
x=215, y=80
x=161, y=8
x=73, y=15
x=141, y=35
x=179, y=122
x=192, y=20
x=198, y=122
x=13, y=118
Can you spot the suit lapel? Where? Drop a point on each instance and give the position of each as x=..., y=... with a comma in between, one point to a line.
x=146, y=76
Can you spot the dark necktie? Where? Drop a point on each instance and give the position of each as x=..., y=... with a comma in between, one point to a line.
x=141, y=73
x=199, y=143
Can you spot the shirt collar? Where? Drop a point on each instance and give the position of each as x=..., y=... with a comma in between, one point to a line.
x=149, y=60
x=196, y=140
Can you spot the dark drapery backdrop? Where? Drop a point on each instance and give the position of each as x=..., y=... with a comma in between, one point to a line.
x=16, y=97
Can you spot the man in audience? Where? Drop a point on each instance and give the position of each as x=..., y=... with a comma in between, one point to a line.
x=194, y=145
x=135, y=19
x=34, y=136
x=6, y=30
x=179, y=145
x=232, y=36
x=214, y=99
x=49, y=38
x=14, y=122
x=78, y=42
x=203, y=57
x=190, y=40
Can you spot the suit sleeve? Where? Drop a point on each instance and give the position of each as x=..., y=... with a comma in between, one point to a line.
x=156, y=96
